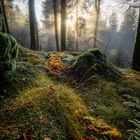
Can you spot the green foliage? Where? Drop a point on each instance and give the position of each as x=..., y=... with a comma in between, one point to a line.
x=8, y=51
x=134, y=105
x=89, y=59
x=68, y=59
x=135, y=133
x=49, y=109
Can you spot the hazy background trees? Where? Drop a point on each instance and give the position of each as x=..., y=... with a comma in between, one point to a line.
x=115, y=33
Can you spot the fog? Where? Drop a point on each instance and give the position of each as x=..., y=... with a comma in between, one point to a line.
x=115, y=35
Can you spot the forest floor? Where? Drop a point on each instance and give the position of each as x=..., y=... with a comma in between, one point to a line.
x=38, y=101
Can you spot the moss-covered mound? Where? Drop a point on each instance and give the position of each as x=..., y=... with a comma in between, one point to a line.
x=32, y=101
x=8, y=52
x=93, y=62
x=36, y=104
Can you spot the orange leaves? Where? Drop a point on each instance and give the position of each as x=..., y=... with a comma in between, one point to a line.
x=92, y=138
x=91, y=127
x=116, y=135
x=98, y=129
x=47, y=138
x=58, y=54
x=55, y=63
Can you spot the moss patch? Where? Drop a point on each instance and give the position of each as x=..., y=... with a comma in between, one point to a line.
x=45, y=107
x=8, y=52
x=93, y=62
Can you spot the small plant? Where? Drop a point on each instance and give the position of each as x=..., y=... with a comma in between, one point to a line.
x=134, y=104
x=135, y=133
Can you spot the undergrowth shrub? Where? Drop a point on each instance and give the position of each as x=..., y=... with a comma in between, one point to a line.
x=8, y=52
x=134, y=104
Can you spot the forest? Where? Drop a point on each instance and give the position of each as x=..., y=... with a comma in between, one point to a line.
x=69, y=69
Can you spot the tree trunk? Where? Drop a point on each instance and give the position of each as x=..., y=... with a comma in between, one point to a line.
x=97, y=7
x=55, y=24
x=136, y=54
x=63, y=25
x=33, y=27
x=5, y=27
x=77, y=26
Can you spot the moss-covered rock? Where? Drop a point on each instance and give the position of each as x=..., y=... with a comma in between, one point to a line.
x=68, y=59
x=93, y=62
x=8, y=52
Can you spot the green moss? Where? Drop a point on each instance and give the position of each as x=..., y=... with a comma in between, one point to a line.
x=55, y=110
x=93, y=62
x=8, y=52
x=68, y=59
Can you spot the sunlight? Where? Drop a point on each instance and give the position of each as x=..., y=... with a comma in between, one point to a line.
x=39, y=8
x=108, y=7
x=71, y=23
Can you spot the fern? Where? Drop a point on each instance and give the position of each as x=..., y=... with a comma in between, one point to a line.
x=134, y=105
x=135, y=133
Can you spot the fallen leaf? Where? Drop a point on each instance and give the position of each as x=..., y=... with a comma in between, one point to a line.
x=52, y=88
x=47, y=138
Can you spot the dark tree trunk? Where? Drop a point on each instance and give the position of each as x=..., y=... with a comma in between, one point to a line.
x=63, y=25
x=5, y=27
x=55, y=24
x=97, y=7
x=77, y=26
x=33, y=26
x=136, y=54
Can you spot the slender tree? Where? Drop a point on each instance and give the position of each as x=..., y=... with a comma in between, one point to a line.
x=136, y=54
x=63, y=25
x=33, y=26
x=5, y=27
x=97, y=7
x=56, y=23
x=77, y=25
